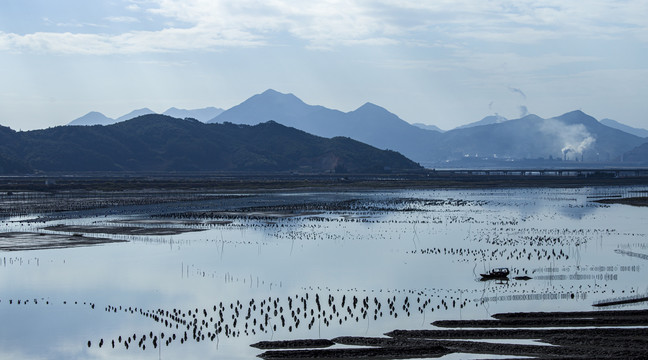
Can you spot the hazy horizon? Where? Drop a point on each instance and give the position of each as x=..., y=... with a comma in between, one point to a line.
x=133, y=112
x=437, y=63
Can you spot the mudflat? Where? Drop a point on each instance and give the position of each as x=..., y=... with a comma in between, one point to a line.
x=573, y=335
x=20, y=241
x=121, y=230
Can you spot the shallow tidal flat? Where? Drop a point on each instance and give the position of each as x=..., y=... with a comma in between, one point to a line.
x=22, y=241
x=324, y=274
x=120, y=230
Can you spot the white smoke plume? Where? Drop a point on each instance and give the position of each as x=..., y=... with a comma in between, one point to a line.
x=572, y=139
x=518, y=91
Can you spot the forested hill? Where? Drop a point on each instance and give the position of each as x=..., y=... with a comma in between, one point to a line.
x=162, y=143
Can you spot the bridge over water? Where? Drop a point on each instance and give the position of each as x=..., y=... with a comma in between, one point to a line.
x=578, y=172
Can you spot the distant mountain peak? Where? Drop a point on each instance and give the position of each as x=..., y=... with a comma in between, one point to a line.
x=575, y=113
x=488, y=120
x=531, y=117
x=273, y=92
x=202, y=115
x=275, y=96
x=577, y=116
x=371, y=107
x=143, y=110
x=134, y=114
x=91, y=118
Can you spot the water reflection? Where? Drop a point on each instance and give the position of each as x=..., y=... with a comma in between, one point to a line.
x=317, y=266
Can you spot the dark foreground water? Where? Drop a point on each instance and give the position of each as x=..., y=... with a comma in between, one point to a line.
x=357, y=264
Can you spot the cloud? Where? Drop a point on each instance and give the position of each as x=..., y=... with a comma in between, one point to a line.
x=71, y=24
x=56, y=42
x=122, y=19
x=166, y=40
x=322, y=24
x=133, y=7
x=162, y=63
x=332, y=23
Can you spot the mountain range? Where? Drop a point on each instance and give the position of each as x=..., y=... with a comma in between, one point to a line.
x=162, y=143
x=97, y=118
x=563, y=141
x=208, y=114
x=574, y=136
x=369, y=123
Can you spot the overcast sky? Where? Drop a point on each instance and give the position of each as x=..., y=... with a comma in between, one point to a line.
x=441, y=62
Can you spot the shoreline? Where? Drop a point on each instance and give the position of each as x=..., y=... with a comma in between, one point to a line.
x=300, y=182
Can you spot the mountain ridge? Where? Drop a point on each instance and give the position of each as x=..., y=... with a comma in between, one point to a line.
x=96, y=118
x=428, y=127
x=369, y=123
x=573, y=136
x=488, y=120
x=91, y=118
x=623, y=127
x=135, y=113
x=203, y=114
x=157, y=142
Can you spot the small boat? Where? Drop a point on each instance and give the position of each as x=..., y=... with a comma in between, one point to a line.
x=496, y=274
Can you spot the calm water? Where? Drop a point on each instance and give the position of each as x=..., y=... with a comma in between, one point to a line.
x=388, y=260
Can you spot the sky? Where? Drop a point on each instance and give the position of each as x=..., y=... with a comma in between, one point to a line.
x=440, y=62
